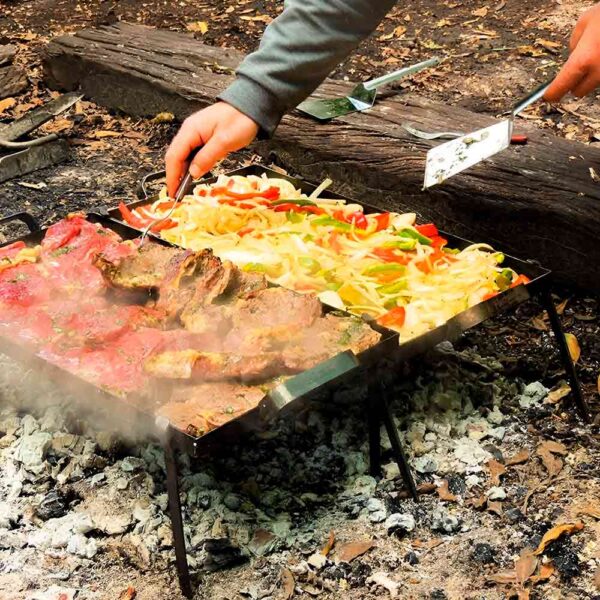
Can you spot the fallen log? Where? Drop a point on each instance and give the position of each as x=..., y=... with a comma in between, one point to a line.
x=538, y=201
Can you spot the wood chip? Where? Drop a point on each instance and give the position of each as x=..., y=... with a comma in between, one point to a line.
x=496, y=471
x=556, y=532
x=546, y=571
x=517, y=459
x=348, y=552
x=288, y=584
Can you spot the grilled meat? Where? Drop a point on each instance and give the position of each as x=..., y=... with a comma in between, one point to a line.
x=213, y=366
x=199, y=408
x=145, y=268
x=326, y=338
x=267, y=319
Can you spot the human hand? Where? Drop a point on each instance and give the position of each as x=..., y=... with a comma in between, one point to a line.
x=219, y=129
x=581, y=73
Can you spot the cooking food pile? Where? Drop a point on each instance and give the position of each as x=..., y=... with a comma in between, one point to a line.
x=194, y=337
x=382, y=264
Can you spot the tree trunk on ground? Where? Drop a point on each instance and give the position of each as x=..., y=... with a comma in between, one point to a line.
x=537, y=201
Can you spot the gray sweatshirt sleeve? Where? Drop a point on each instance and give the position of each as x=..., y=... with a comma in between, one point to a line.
x=297, y=52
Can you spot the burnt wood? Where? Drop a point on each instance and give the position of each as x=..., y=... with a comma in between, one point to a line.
x=537, y=201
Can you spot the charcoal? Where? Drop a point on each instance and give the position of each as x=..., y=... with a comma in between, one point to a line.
x=54, y=505
x=484, y=554
x=218, y=554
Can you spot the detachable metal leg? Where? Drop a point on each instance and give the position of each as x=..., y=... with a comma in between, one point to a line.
x=565, y=355
x=373, y=408
x=397, y=448
x=183, y=571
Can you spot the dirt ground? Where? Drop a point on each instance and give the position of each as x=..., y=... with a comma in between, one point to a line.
x=496, y=50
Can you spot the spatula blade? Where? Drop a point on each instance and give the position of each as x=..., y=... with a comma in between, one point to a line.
x=455, y=156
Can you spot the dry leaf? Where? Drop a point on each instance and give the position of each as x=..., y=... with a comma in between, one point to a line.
x=103, y=133
x=429, y=544
x=329, y=545
x=504, y=577
x=495, y=507
x=523, y=594
x=443, y=23
x=597, y=578
x=496, y=470
x=539, y=323
x=128, y=594
x=164, y=117
x=546, y=571
x=573, y=344
x=480, y=12
x=530, y=51
x=500, y=5
x=549, y=45
x=6, y=104
x=264, y=18
x=396, y=33
x=560, y=309
x=288, y=583
x=525, y=566
x=560, y=391
x=555, y=447
x=348, y=552
x=517, y=459
x=198, y=26
x=444, y=493
x=431, y=45
x=478, y=502
x=556, y=532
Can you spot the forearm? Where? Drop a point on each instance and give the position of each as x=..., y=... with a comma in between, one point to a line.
x=298, y=50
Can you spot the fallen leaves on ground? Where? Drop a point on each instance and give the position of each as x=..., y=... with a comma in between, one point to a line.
x=573, y=344
x=128, y=594
x=556, y=532
x=6, y=104
x=546, y=451
x=288, y=584
x=496, y=471
x=557, y=393
x=495, y=507
x=517, y=459
x=444, y=493
x=592, y=509
x=525, y=566
x=197, y=27
x=164, y=117
x=398, y=32
x=348, y=552
x=329, y=544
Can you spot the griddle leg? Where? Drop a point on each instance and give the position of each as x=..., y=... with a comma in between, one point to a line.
x=565, y=355
x=183, y=571
x=374, y=422
x=392, y=431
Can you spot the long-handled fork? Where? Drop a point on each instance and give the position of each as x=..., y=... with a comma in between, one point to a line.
x=182, y=190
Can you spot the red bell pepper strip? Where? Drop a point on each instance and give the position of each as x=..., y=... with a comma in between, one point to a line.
x=245, y=231
x=391, y=255
x=521, y=279
x=382, y=220
x=130, y=218
x=359, y=220
x=290, y=206
x=428, y=230
x=393, y=318
x=271, y=193
x=334, y=242
x=424, y=266
x=490, y=295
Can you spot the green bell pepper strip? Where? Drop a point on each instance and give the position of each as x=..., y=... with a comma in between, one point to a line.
x=297, y=202
x=327, y=220
x=387, y=268
x=406, y=245
x=411, y=233
x=393, y=288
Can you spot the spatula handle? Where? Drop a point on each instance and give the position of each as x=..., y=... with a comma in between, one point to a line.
x=532, y=97
x=379, y=81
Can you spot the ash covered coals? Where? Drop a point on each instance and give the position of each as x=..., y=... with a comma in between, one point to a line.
x=82, y=496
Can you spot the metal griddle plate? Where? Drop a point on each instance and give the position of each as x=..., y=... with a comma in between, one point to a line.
x=134, y=408
x=451, y=329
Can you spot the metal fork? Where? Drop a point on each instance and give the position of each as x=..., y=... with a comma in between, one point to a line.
x=182, y=190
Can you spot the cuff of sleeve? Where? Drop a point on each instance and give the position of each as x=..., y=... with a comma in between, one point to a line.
x=255, y=102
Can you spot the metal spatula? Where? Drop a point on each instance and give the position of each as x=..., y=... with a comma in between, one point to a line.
x=455, y=156
x=361, y=97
